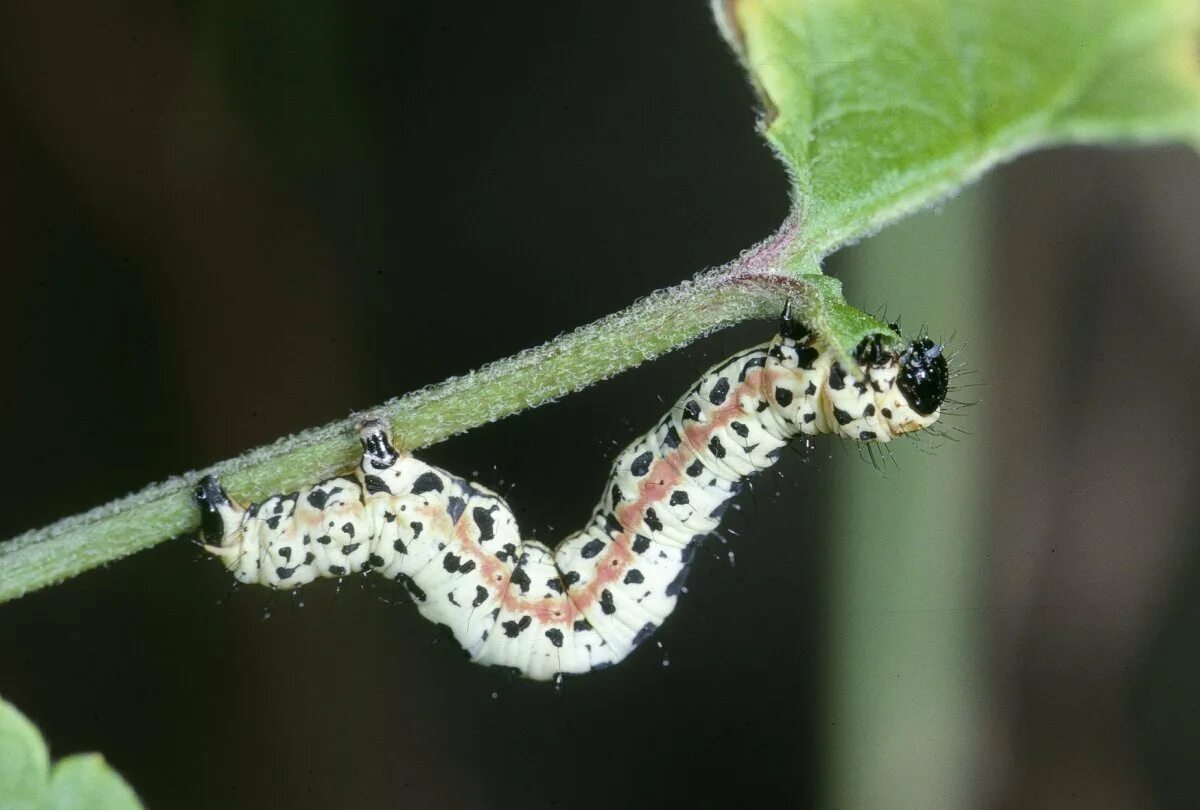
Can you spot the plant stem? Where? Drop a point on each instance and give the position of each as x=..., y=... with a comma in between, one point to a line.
x=752, y=286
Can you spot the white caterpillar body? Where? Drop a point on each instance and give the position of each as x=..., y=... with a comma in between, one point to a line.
x=456, y=548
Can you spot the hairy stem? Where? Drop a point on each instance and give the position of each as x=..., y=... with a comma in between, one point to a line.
x=752, y=286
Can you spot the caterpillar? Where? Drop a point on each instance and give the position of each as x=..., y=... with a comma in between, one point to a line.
x=455, y=547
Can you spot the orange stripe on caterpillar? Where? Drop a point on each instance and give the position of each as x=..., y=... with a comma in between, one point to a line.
x=455, y=546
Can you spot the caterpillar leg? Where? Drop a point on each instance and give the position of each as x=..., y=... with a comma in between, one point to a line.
x=378, y=452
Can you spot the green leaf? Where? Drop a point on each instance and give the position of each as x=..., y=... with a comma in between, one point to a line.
x=24, y=761
x=79, y=782
x=879, y=109
x=86, y=782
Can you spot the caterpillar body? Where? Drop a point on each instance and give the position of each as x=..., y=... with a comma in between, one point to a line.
x=455, y=547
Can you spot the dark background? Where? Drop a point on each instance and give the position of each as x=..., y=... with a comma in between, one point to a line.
x=220, y=225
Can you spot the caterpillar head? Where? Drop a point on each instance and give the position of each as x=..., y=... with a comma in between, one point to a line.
x=924, y=376
x=909, y=386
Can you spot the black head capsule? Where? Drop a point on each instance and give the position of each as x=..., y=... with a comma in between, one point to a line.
x=924, y=376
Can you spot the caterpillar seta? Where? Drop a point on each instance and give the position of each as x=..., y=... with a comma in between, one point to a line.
x=455, y=547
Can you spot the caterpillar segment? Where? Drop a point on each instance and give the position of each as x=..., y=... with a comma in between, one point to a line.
x=455, y=547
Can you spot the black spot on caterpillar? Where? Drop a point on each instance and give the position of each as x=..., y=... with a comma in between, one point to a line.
x=606, y=588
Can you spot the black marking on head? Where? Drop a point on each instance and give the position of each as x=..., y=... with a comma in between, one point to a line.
x=719, y=391
x=455, y=506
x=640, y=543
x=606, y=602
x=641, y=464
x=591, y=549
x=924, y=376
x=427, y=482
x=555, y=635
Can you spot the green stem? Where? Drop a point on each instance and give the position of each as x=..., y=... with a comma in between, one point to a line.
x=752, y=286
